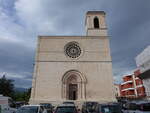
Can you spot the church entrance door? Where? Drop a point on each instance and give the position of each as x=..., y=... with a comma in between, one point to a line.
x=73, y=91
x=73, y=85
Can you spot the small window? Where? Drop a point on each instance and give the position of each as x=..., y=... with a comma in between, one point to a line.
x=96, y=22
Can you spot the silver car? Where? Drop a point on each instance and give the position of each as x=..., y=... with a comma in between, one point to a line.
x=66, y=108
x=31, y=109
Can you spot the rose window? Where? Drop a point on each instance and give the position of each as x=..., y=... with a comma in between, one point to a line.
x=72, y=50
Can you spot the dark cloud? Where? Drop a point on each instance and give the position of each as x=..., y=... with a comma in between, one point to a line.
x=15, y=57
x=24, y=83
x=17, y=62
x=128, y=24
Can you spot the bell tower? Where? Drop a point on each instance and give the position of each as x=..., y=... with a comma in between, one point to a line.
x=95, y=23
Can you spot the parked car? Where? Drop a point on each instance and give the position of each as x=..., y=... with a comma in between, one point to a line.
x=69, y=102
x=66, y=108
x=89, y=107
x=143, y=107
x=48, y=107
x=130, y=107
x=31, y=109
x=109, y=108
x=20, y=103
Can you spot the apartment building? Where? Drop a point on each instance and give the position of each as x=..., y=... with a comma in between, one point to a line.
x=132, y=87
x=117, y=90
x=143, y=71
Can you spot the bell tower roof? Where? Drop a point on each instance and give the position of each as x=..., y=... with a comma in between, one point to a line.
x=96, y=12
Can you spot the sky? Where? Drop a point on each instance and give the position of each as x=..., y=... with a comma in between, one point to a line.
x=21, y=21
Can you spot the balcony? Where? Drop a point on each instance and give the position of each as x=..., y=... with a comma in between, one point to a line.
x=127, y=75
x=127, y=82
x=138, y=86
x=128, y=93
x=127, y=78
x=136, y=78
x=127, y=86
x=127, y=89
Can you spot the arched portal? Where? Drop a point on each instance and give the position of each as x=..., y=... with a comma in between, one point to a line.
x=73, y=85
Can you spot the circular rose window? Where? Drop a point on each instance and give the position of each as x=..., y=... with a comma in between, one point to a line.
x=73, y=50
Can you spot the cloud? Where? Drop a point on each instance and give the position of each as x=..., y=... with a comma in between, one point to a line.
x=23, y=80
x=21, y=21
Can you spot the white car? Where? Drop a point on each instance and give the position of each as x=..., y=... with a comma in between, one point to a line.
x=31, y=109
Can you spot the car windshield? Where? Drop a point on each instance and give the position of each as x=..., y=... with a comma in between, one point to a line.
x=66, y=109
x=28, y=109
x=68, y=102
x=131, y=106
x=91, y=103
x=115, y=108
x=91, y=106
x=145, y=107
x=46, y=105
x=111, y=109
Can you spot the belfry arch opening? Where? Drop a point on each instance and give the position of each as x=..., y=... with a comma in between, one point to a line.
x=96, y=22
x=73, y=85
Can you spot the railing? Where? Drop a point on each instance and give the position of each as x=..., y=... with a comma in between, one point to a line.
x=128, y=89
x=130, y=81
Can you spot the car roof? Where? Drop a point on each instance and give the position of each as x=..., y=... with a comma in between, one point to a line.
x=43, y=104
x=109, y=103
x=68, y=102
x=65, y=105
x=90, y=101
x=31, y=105
x=143, y=103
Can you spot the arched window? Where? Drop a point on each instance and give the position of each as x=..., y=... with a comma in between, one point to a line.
x=96, y=22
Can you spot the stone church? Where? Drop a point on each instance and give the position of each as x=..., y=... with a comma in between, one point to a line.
x=75, y=68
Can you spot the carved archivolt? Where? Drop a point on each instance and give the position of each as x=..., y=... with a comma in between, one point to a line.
x=74, y=77
x=73, y=74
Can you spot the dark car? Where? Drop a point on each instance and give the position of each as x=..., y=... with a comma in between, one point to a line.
x=69, y=102
x=143, y=107
x=108, y=108
x=129, y=107
x=89, y=107
x=66, y=108
x=48, y=107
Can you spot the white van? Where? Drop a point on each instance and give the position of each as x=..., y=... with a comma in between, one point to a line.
x=6, y=105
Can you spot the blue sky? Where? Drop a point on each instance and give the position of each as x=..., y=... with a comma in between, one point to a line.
x=21, y=21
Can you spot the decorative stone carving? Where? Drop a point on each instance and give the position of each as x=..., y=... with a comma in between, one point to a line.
x=73, y=50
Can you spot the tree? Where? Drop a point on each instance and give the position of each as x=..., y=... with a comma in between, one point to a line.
x=28, y=93
x=6, y=86
x=22, y=96
x=7, y=89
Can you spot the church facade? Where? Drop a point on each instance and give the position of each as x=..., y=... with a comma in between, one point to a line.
x=75, y=68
